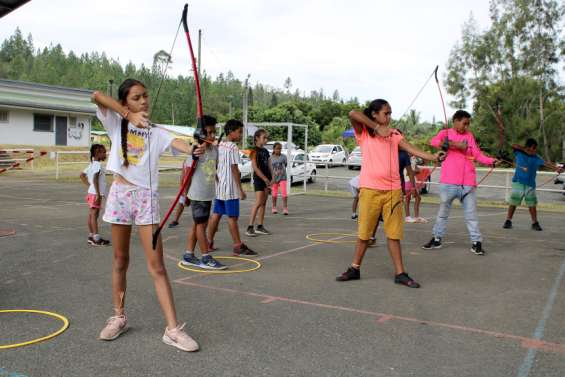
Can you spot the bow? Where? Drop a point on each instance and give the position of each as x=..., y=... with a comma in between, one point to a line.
x=197, y=135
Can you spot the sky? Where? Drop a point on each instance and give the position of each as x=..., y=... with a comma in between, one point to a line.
x=363, y=48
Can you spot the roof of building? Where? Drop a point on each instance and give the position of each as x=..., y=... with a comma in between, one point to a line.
x=28, y=95
x=6, y=6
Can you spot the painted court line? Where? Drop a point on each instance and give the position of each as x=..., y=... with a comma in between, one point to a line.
x=528, y=362
x=530, y=343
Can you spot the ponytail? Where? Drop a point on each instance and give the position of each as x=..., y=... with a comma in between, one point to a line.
x=124, y=130
x=123, y=92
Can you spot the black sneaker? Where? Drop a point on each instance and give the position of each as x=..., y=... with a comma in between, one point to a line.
x=508, y=224
x=477, y=248
x=243, y=250
x=250, y=232
x=351, y=274
x=354, y=216
x=536, y=226
x=261, y=230
x=406, y=280
x=435, y=243
x=173, y=224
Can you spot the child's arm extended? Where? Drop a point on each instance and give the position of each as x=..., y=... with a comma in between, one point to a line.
x=237, y=178
x=417, y=152
x=359, y=120
x=84, y=179
x=104, y=102
x=184, y=147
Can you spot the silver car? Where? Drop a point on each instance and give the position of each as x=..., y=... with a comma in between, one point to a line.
x=355, y=159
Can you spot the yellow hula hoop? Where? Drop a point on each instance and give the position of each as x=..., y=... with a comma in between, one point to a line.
x=314, y=237
x=256, y=267
x=34, y=341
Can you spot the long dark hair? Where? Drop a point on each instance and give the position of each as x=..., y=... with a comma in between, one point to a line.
x=374, y=106
x=94, y=149
x=123, y=92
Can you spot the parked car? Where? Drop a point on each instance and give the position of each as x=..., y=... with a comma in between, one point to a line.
x=245, y=167
x=355, y=159
x=297, y=168
x=331, y=153
x=284, y=144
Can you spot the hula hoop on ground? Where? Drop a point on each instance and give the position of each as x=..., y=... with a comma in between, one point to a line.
x=7, y=232
x=314, y=237
x=256, y=267
x=38, y=340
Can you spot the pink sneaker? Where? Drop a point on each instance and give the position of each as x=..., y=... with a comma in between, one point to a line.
x=115, y=326
x=274, y=211
x=180, y=339
x=285, y=211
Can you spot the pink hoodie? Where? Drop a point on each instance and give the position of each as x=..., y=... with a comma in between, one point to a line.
x=458, y=167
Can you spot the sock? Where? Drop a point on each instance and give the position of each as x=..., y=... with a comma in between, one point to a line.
x=96, y=237
x=237, y=245
x=189, y=252
x=90, y=235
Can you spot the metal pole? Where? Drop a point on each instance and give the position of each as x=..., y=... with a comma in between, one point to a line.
x=289, y=156
x=305, y=152
x=56, y=165
x=245, y=120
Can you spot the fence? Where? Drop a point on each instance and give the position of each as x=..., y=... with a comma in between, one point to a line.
x=543, y=176
x=11, y=156
x=168, y=162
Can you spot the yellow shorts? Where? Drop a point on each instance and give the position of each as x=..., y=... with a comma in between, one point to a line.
x=373, y=204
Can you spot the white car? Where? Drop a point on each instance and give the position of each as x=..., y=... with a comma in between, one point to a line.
x=297, y=168
x=284, y=144
x=245, y=167
x=331, y=153
x=355, y=159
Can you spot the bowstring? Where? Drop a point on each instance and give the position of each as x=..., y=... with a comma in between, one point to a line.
x=153, y=104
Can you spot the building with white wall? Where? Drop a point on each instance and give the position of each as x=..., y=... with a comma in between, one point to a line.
x=47, y=115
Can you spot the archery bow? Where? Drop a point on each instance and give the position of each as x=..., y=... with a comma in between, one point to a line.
x=198, y=134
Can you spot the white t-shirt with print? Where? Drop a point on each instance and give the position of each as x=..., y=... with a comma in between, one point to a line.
x=227, y=188
x=142, y=159
x=90, y=171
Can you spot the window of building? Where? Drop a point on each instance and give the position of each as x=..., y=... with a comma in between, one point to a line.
x=43, y=122
x=3, y=116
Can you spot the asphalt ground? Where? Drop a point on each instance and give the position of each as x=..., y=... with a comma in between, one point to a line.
x=495, y=315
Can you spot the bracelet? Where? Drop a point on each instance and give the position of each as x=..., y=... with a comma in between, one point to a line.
x=125, y=116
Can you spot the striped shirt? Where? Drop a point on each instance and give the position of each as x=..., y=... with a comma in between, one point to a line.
x=227, y=188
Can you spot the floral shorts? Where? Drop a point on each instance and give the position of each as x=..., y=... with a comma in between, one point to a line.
x=128, y=205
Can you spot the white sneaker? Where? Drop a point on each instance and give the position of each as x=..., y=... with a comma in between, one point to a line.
x=422, y=220
x=410, y=219
x=178, y=338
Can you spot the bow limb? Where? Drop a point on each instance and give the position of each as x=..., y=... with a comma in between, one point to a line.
x=199, y=114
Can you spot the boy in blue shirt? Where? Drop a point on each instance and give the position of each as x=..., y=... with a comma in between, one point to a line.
x=524, y=182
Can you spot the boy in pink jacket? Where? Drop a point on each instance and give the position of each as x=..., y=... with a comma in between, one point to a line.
x=459, y=179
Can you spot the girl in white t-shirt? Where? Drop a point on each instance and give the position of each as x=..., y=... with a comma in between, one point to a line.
x=94, y=178
x=133, y=199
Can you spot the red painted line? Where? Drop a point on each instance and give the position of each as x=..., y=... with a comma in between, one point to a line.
x=383, y=318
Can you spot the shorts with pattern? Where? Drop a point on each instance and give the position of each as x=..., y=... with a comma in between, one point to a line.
x=128, y=205
x=521, y=192
x=376, y=203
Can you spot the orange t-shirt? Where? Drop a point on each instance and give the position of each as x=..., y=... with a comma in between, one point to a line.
x=379, y=170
